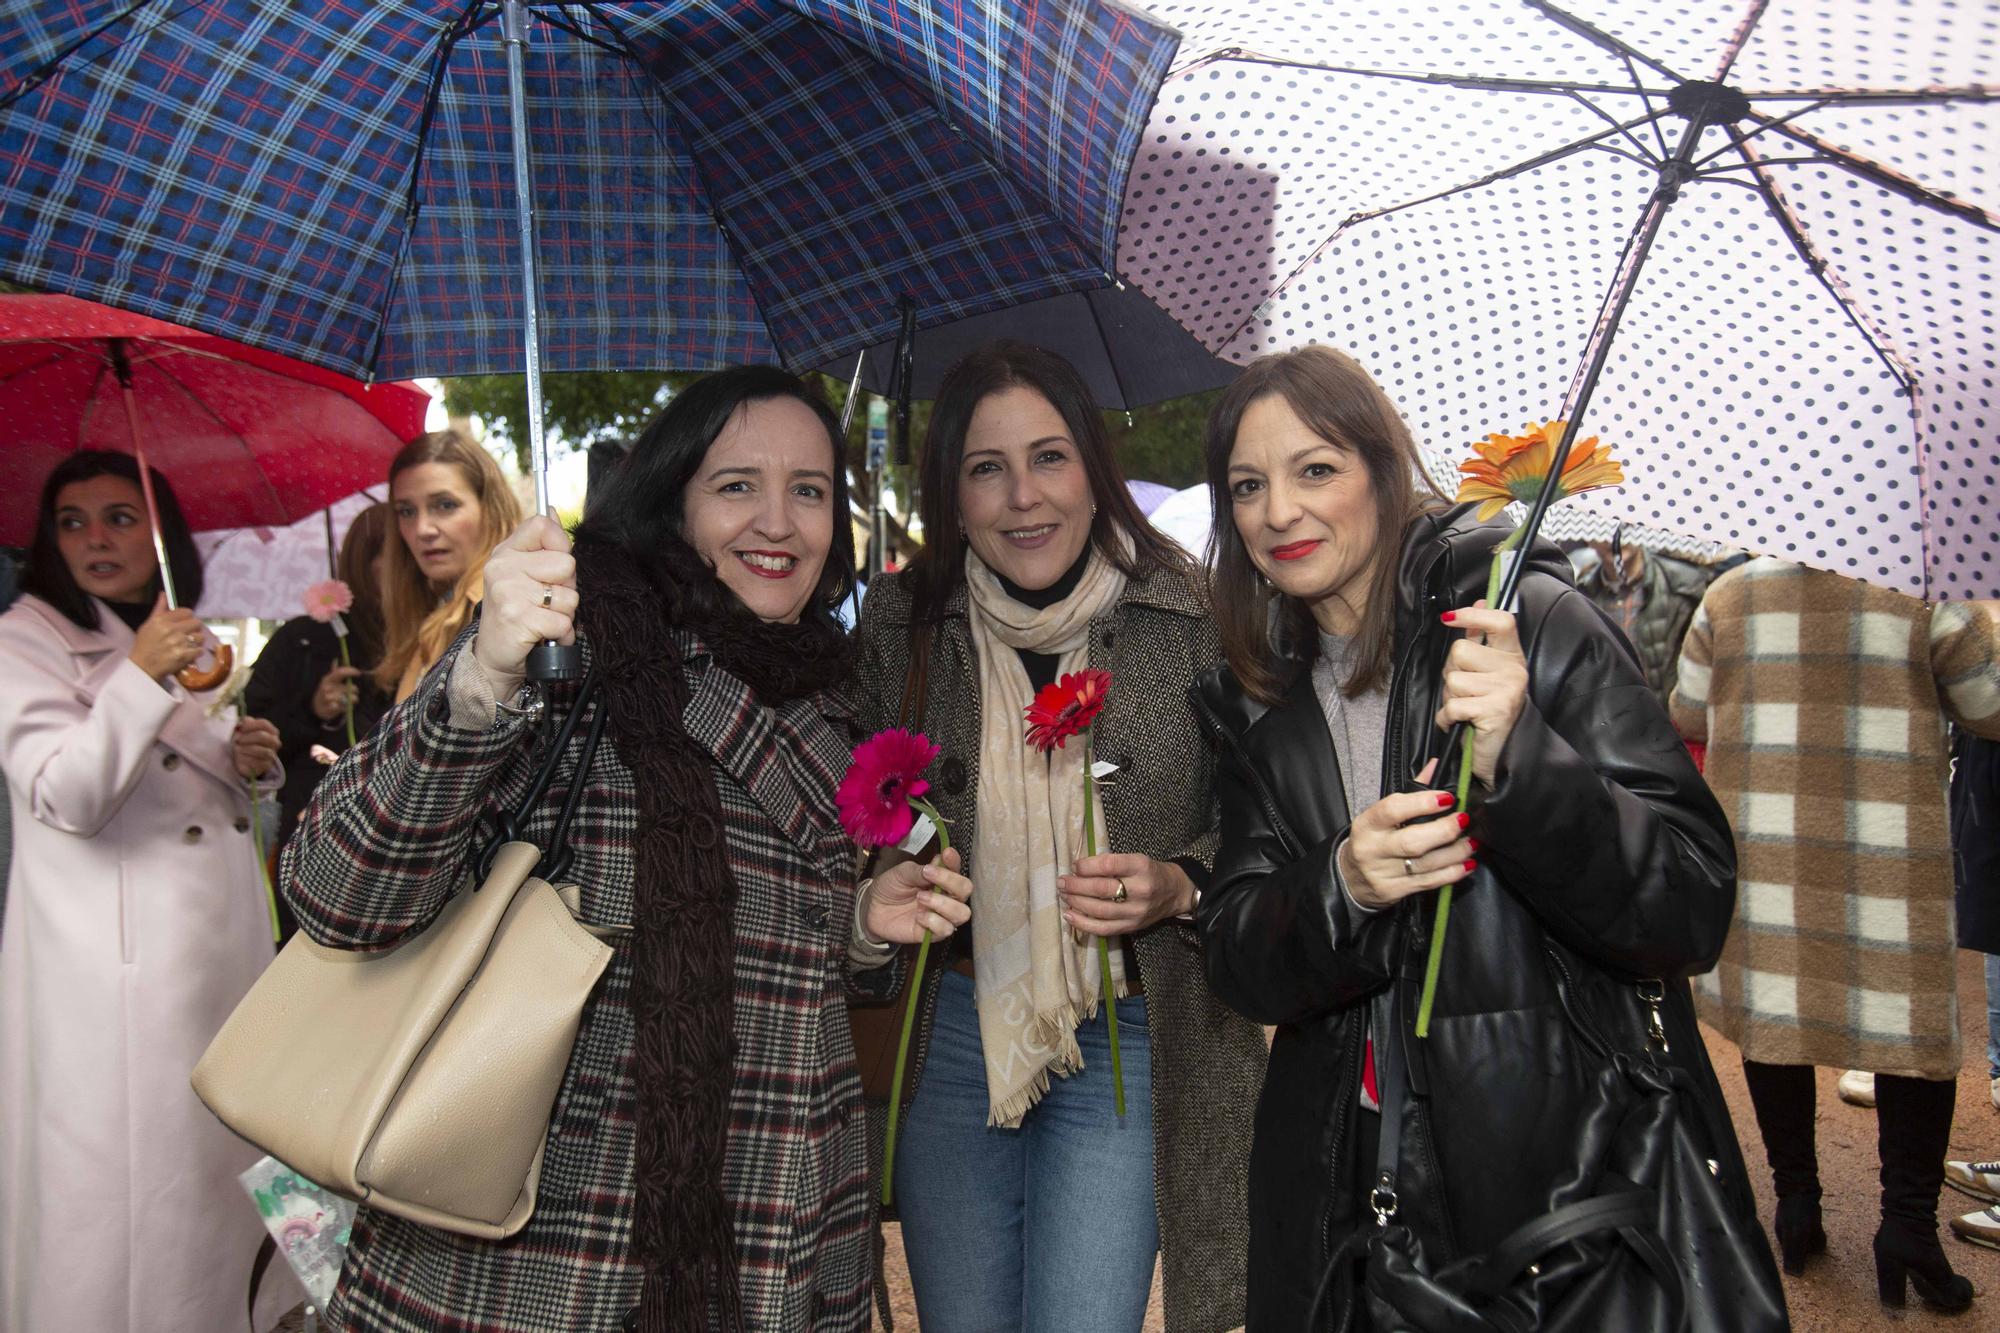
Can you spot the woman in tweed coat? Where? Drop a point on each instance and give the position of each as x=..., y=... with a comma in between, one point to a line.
x=705, y=1164
x=1019, y=483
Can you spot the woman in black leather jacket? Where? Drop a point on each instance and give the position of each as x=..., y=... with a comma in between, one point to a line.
x=1593, y=857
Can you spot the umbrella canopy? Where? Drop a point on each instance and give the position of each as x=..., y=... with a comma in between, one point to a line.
x=247, y=438
x=263, y=573
x=1806, y=363
x=1129, y=351
x=720, y=182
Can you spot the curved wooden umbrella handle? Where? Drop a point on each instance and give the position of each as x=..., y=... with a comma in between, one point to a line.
x=195, y=680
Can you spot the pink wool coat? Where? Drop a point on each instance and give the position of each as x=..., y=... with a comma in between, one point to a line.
x=135, y=921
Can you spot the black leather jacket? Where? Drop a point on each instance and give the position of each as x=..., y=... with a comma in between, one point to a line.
x=1604, y=860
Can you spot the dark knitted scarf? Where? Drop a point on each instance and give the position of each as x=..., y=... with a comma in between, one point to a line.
x=683, y=901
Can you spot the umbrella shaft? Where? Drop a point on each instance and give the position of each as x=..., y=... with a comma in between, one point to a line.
x=514, y=24
x=146, y=489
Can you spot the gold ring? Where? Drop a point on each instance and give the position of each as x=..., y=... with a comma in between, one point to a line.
x=1121, y=895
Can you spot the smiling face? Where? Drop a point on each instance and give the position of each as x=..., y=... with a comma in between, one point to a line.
x=105, y=540
x=760, y=507
x=1306, y=512
x=1023, y=492
x=438, y=517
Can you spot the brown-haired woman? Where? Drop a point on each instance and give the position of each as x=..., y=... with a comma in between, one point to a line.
x=1026, y=1202
x=1349, y=601
x=302, y=686
x=452, y=507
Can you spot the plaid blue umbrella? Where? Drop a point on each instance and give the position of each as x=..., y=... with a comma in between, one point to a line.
x=716, y=182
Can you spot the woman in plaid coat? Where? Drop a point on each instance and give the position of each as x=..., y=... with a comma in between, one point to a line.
x=705, y=1164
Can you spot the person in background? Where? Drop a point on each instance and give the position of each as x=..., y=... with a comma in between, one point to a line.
x=1026, y=1202
x=1651, y=597
x=135, y=922
x=1975, y=844
x=452, y=507
x=1822, y=701
x=301, y=686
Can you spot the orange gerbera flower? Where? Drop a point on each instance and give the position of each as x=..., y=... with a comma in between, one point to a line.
x=1516, y=467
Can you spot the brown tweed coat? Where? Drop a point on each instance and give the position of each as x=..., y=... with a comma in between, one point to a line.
x=1823, y=703
x=1208, y=1063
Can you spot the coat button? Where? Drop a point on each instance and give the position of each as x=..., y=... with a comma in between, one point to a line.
x=631, y=1320
x=171, y=762
x=951, y=776
x=814, y=916
x=242, y=824
x=1110, y=638
x=193, y=833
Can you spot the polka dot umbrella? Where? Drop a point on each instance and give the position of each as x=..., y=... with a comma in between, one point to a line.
x=1752, y=245
x=248, y=438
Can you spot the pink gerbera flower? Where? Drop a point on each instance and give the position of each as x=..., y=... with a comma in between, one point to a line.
x=883, y=778
x=326, y=600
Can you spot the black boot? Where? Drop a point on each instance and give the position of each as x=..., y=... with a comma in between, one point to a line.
x=1782, y=1096
x=1913, y=1129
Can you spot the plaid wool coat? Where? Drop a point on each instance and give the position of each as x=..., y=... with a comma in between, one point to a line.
x=388, y=838
x=1823, y=703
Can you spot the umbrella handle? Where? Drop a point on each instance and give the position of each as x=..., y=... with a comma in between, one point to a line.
x=196, y=681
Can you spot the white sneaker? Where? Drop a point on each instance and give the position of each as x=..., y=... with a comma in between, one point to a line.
x=1979, y=1179
x=1980, y=1228
x=1857, y=1087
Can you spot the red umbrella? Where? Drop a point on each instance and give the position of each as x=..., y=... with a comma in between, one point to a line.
x=251, y=439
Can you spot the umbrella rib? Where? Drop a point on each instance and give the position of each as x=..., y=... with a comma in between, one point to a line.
x=465, y=24
x=1598, y=37
x=1477, y=82
x=1971, y=92
x=1647, y=159
x=1738, y=39
x=40, y=74
x=1794, y=231
x=1646, y=100
x=1892, y=181
x=1103, y=336
x=1765, y=126
x=159, y=363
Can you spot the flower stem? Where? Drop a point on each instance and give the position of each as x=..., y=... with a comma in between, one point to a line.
x=347, y=661
x=1436, y=958
x=1103, y=942
x=909, y=1023
x=263, y=871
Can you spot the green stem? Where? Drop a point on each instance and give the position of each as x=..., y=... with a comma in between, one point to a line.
x=909, y=1023
x=347, y=661
x=1103, y=943
x=1436, y=958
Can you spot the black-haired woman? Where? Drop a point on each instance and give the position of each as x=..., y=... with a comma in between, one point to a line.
x=1026, y=1201
x=1346, y=600
x=706, y=1164
x=135, y=922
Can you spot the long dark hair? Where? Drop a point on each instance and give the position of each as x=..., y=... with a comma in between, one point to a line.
x=48, y=576
x=1343, y=405
x=643, y=511
x=939, y=568
x=356, y=568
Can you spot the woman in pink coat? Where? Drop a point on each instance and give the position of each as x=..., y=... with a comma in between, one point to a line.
x=134, y=922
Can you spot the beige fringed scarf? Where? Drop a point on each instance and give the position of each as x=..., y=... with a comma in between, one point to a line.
x=1036, y=983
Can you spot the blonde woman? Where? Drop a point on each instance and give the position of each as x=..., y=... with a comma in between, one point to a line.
x=452, y=507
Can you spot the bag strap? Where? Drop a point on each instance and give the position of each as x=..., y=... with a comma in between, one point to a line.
x=266, y=1251
x=509, y=823
x=1630, y=1213
x=1392, y=1092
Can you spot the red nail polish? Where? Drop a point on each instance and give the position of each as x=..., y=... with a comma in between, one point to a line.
x=1448, y=617
x=1445, y=798
x=1464, y=820
x=1472, y=865
x=1473, y=843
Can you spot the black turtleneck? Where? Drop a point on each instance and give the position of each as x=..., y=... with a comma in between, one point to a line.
x=1041, y=667
x=134, y=614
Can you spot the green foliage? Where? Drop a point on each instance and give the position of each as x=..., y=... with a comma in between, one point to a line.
x=1163, y=442
x=580, y=408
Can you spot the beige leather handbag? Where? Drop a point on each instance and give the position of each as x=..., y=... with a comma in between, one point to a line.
x=420, y=1079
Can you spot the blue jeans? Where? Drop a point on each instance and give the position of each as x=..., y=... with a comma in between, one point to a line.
x=1992, y=1015
x=1049, y=1228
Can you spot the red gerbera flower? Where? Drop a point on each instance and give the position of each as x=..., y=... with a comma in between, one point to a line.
x=883, y=778
x=1066, y=708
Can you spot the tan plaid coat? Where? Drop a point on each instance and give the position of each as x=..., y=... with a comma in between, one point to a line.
x=1823, y=702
